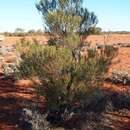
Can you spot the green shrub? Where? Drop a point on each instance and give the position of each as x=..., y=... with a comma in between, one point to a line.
x=32, y=59
x=64, y=82
x=92, y=52
x=52, y=42
x=110, y=51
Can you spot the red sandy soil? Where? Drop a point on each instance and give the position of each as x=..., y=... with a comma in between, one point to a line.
x=122, y=61
x=109, y=38
x=13, y=96
x=13, y=40
x=12, y=99
x=11, y=103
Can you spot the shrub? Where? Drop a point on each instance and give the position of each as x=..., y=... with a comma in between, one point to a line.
x=65, y=83
x=110, y=51
x=92, y=52
x=52, y=42
x=31, y=55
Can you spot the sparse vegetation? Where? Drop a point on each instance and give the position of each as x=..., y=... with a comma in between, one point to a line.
x=36, y=120
x=67, y=80
x=68, y=83
x=94, y=31
x=120, y=76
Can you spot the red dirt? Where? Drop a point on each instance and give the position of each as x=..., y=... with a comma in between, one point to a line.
x=109, y=38
x=12, y=100
x=122, y=61
x=11, y=103
x=13, y=40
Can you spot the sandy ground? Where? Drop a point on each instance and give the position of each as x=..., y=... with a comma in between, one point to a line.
x=12, y=100
x=122, y=61
x=109, y=38
x=13, y=40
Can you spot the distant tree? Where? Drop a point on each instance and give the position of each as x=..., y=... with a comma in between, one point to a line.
x=32, y=31
x=19, y=32
x=39, y=32
x=8, y=34
x=94, y=30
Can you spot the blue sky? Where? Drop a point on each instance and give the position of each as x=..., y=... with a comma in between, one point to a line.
x=112, y=14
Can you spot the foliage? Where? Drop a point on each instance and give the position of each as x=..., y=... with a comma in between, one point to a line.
x=94, y=30
x=65, y=16
x=52, y=42
x=110, y=51
x=67, y=80
x=65, y=83
x=92, y=52
x=25, y=49
x=72, y=41
x=8, y=34
x=19, y=32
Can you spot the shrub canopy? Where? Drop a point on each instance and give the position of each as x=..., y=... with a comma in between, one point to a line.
x=66, y=16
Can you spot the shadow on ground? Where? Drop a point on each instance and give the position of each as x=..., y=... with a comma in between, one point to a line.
x=12, y=100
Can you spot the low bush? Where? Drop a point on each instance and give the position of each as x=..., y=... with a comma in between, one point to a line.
x=92, y=52
x=110, y=51
x=66, y=84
